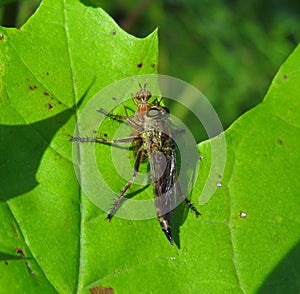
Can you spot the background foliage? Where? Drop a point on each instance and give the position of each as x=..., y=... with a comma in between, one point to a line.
x=230, y=50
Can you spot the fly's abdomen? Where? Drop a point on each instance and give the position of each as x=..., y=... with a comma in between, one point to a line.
x=164, y=219
x=165, y=226
x=162, y=205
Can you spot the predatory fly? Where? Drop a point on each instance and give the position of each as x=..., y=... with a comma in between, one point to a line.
x=152, y=139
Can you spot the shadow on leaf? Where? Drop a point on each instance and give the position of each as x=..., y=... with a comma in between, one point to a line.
x=285, y=278
x=22, y=147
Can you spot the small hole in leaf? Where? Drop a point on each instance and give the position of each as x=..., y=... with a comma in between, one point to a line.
x=20, y=251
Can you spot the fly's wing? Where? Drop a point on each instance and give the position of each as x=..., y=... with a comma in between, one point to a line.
x=167, y=190
x=172, y=192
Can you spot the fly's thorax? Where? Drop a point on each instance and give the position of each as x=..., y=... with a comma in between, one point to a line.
x=156, y=113
x=159, y=145
x=156, y=136
x=156, y=121
x=141, y=111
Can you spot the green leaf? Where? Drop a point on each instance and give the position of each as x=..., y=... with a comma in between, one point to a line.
x=65, y=54
x=259, y=197
x=54, y=239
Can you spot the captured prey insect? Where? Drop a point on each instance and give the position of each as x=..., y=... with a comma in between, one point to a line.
x=153, y=140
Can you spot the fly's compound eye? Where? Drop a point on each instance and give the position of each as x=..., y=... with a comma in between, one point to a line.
x=148, y=95
x=166, y=110
x=153, y=112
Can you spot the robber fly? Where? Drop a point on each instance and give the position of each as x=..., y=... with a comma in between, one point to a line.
x=154, y=141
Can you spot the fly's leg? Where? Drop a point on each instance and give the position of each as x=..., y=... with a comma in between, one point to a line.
x=191, y=207
x=188, y=202
x=115, y=141
x=158, y=101
x=136, y=164
x=127, y=186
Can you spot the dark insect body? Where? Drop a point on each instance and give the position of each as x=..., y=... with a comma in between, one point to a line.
x=153, y=140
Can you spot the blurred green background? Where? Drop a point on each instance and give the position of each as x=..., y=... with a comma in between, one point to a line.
x=230, y=50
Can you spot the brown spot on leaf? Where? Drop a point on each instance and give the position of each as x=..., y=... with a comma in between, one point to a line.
x=140, y=65
x=153, y=65
x=280, y=141
x=102, y=290
x=15, y=229
x=33, y=87
x=46, y=93
x=1, y=37
x=49, y=106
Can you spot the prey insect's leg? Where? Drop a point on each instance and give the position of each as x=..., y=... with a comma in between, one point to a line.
x=113, y=116
x=104, y=140
x=120, y=102
x=121, y=117
x=127, y=186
